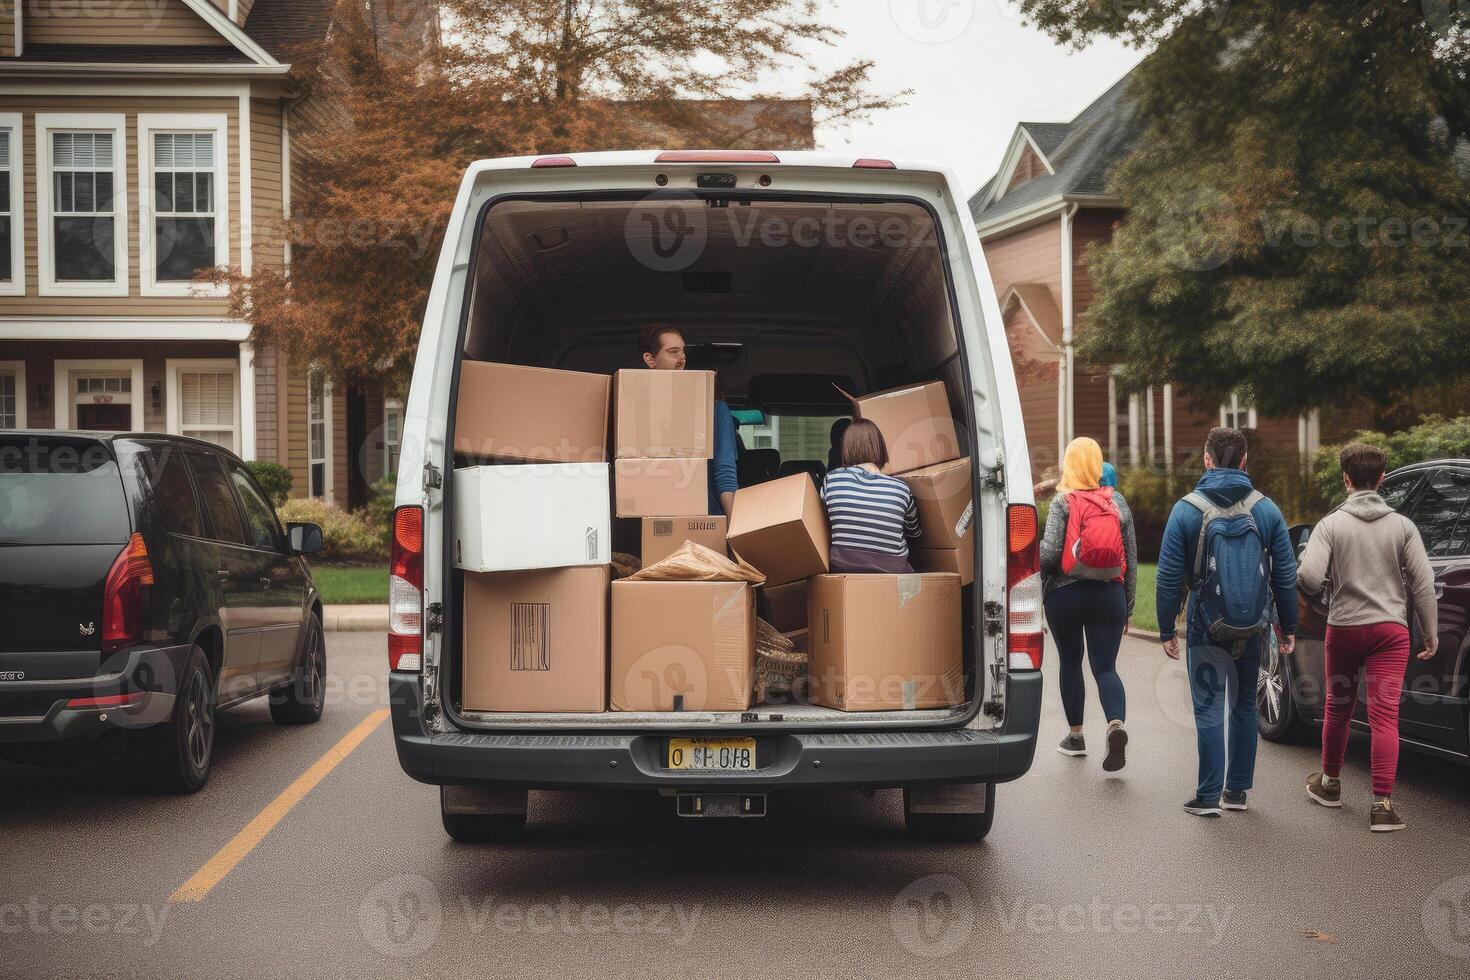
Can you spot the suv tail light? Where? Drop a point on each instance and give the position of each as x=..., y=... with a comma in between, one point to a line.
x=406, y=591
x=717, y=156
x=125, y=596
x=1024, y=641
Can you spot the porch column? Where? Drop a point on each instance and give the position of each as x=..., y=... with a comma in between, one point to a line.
x=247, y=401
x=1169, y=428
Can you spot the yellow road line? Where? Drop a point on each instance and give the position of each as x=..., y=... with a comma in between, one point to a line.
x=225, y=859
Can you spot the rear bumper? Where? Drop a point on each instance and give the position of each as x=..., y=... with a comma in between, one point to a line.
x=819, y=760
x=37, y=711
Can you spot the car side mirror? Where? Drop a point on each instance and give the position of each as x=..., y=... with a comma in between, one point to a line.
x=306, y=539
x=1299, y=535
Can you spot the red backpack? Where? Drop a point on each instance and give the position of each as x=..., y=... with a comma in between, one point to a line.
x=1093, y=547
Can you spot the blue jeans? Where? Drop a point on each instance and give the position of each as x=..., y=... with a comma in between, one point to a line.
x=1215, y=681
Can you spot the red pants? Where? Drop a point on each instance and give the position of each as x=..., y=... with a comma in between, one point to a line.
x=1381, y=654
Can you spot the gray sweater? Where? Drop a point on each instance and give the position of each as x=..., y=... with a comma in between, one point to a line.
x=1055, y=536
x=1370, y=562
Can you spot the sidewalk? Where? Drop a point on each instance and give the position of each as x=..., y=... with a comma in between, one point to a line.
x=360, y=619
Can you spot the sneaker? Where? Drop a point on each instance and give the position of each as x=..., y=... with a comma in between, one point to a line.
x=1201, y=808
x=1321, y=794
x=1117, y=741
x=1233, y=800
x=1073, y=744
x=1383, y=819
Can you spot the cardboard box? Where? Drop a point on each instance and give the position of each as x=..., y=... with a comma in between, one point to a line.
x=534, y=515
x=960, y=561
x=915, y=422
x=662, y=536
x=780, y=527
x=885, y=642
x=682, y=646
x=787, y=605
x=946, y=502
x=664, y=414
x=662, y=487
x=536, y=641
x=528, y=414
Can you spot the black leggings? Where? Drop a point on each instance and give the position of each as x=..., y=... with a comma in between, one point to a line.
x=1097, y=611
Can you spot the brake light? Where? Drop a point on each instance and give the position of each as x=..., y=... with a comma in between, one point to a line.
x=1024, y=639
x=868, y=163
x=553, y=162
x=109, y=701
x=406, y=591
x=717, y=156
x=125, y=596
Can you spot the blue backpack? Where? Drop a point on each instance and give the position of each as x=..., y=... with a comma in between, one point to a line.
x=1232, y=573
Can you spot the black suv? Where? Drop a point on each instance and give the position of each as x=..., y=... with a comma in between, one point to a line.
x=145, y=583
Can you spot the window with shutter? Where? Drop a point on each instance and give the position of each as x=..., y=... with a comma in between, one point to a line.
x=207, y=406
x=184, y=191
x=83, y=207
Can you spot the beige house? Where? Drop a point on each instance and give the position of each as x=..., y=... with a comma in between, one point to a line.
x=141, y=140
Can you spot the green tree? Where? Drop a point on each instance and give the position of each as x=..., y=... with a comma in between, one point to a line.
x=1298, y=197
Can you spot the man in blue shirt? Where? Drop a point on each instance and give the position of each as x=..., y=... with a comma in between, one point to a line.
x=662, y=347
x=1215, y=677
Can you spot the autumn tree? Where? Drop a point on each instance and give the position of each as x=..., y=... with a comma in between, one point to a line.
x=1298, y=197
x=398, y=123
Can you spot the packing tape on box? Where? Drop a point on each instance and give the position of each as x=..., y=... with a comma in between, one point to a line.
x=910, y=694
x=908, y=587
x=963, y=524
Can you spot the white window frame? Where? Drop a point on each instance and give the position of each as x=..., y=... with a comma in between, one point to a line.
x=771, y=430
x=64, y=399
x=327, y=474
x=16, y=284
x=390, y=405
x=89, y=122
x=149, y=124
x=174, y=392
x=22, y=393
x=1235, y=407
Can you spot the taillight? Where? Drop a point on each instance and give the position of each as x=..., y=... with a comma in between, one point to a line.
x=406, y=591
x=1024, y=641
x=868, y=163
x=543, y=162
x=717, y=156
x=125, y=596
x=107, y=701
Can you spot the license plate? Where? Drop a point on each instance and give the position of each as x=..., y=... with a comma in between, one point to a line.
x=712, y=754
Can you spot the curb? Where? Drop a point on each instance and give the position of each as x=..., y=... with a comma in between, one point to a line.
x=355, y=619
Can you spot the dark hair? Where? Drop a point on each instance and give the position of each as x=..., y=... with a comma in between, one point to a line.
x=839, y=427
x=1363, y=464
x=650, y=338
x=863, y=443
x=1226, y=447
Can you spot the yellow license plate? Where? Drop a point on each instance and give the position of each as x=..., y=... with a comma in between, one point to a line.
x=712, y=754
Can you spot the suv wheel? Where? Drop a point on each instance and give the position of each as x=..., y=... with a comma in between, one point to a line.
x=961, y=828
x=300, y=702
x=176, y=756
x=1278, y=718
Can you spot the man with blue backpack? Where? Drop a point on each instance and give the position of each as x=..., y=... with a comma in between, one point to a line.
x=1227, y=549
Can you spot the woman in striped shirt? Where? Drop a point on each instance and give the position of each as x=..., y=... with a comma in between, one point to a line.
x=872, y=516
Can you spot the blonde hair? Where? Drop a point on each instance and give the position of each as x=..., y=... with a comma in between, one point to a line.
x=1081, y=465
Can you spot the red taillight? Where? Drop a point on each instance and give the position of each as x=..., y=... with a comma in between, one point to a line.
x=406, y=591
x=1024, y=640
x=867, y=163
x=125, y=596
x=553, y=162
x=110, y=701
x=717, y=156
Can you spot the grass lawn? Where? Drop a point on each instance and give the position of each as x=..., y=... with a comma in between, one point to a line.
x=1144, y=615
x=349, y=585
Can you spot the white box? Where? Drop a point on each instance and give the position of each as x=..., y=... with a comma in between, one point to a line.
x=539, y=515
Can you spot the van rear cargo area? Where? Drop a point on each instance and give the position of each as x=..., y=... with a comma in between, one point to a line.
x=797, y=309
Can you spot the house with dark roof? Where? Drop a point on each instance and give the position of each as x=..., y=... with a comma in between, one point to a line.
x=1036, y=217
x=140, y=143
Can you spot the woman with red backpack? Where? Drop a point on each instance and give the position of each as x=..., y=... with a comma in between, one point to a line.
x=1089, y=564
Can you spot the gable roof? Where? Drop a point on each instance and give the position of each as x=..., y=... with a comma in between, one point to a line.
x=285, y=26
x=1081, y=154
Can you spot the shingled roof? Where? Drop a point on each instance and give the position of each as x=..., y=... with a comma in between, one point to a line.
x=283, y=27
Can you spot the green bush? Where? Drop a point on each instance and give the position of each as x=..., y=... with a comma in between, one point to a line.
x=347, y=537
x=273, y=478
x=1435, y=437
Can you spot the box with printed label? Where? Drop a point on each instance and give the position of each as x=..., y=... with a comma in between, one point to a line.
x=661, y=487
x=527, y=414
x=682, y=646
x=664, y=414
x=535, y=515
x=780, y=527
x=662, y=536
x=916, y=424
x=946, y=503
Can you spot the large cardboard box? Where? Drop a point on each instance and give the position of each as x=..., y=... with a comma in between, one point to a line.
x=787, y=605
x=528, y=414
x=536, y=641
x=662, y=536
x=664, y=414
x=780, y=527
x=960, y=561
x=534, y=515
x=915, y=422
x=686, y=646
x=661, y=487
x=885, y=642
x=946, y=503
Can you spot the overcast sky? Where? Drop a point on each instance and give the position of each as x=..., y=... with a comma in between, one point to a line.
x=976, y=71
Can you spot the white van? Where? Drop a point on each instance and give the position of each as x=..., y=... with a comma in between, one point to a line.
x=786, y=272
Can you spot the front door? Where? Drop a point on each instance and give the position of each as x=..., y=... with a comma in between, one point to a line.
x=239, y=575
x=1432, y=711
x=282, y=580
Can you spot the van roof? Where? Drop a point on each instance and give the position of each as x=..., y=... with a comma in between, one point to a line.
x=815, y=159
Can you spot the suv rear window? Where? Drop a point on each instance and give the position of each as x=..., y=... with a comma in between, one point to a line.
x=60, y=491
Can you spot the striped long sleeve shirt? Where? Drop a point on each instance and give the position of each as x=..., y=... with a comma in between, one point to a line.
x=870, y=511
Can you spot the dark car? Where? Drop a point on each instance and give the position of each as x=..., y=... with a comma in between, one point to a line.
x=145, y=584
x=1434, y=717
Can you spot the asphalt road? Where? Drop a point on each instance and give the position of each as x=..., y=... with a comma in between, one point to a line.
x=1083, y=875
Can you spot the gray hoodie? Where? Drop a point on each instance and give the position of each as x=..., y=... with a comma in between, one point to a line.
x=1370, y=561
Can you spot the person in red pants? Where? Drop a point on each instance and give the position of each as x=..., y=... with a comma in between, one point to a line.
x=1368, y=562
